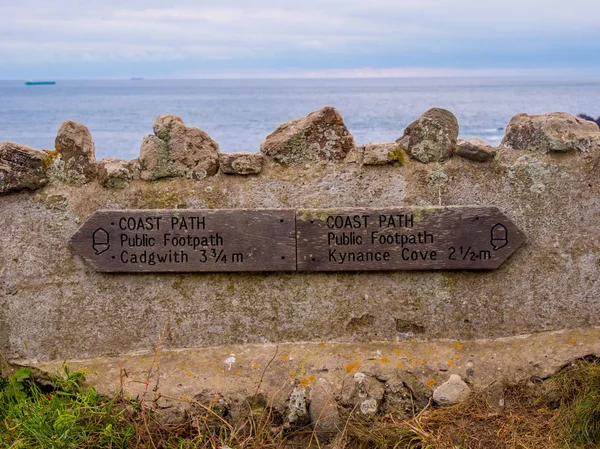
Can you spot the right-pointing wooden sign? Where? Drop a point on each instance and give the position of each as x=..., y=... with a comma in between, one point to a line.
x=407, y=238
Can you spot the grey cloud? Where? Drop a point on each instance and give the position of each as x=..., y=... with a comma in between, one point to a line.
x=142, y=29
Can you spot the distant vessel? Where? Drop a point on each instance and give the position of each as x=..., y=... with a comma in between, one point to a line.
x=34, y=83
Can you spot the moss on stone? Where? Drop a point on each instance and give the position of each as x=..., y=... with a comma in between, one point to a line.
x=397, y=157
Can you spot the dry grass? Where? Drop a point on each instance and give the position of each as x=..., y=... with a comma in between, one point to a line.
x=558, y=413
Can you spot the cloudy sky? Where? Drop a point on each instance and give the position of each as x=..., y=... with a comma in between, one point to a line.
x=279, y=38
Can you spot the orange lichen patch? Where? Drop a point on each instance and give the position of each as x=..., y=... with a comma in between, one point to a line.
x=188, y=373
x=572, y=340
x=352, y=367
x=456, y=357
x=413, y=363
x=435, y=359
x=255, y=366
x=292, y=373
x=237, y=373
x=284, y=358
x=321, y=344
x=398, y=352
x=457, y=345
x=220, y=370
x=421, y=362
x=399, y=365
x=307, y=380
x=384, y=359
x=430, y=383
x=451, y=363
x=53, y=155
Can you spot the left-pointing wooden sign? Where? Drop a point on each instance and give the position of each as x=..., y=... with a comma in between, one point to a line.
x=188, y=240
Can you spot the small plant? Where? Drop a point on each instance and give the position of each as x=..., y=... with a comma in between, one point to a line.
x=68, y=417
x=14, y=387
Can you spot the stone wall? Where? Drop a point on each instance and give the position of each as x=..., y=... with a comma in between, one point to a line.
x=544, y=177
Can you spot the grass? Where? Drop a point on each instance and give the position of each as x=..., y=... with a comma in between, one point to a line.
x=557, y=413
x=577, y=388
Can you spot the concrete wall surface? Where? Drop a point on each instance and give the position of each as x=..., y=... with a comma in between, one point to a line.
x=53, y=306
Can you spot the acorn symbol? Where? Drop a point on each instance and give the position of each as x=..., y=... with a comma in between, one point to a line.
x=100, y=241
x=499, y=236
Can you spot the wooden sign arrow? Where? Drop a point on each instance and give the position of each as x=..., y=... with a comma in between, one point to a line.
x=408, y=238
x=188, y=240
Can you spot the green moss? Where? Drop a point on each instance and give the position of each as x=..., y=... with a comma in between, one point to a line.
x=163, y=134
x=397, y=157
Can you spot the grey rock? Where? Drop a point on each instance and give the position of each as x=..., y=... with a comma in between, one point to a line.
x=552, y=132
x=404, y=394
x=323, y=411
x=453, y=391
x=382, y=154
x=475, y=149
x=322, y=135
x=77, y=153
x=297, y=406
x=115, y=173
x=369, y=406
x=21, y=167
x=176, y=150
x=243, y=163
x=432, y=137
x=364, y=391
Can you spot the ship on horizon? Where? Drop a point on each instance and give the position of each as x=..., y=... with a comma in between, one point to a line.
x=35, y=83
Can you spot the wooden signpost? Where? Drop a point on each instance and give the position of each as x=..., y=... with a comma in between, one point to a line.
x=188, y=240
x=409, y=238
x=366, y=239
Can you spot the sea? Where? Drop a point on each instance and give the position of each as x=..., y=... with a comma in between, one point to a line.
x=239, y=114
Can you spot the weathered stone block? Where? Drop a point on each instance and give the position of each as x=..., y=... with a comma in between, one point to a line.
x=115, y=173
x=382, y=154
x=21, y=167
x=177, y=150
x=552, y=132
x=475, y=149
x=432, y=137
x=322, y=135
x=77, y=153
x=243, y=163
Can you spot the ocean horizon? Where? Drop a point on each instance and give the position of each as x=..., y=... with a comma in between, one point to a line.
x=240, y=113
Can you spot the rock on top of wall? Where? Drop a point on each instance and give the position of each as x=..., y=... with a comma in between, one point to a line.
x=21, y=167
x=382, y=154
x=176, y=150
x=552, y=132
x=432, y=137
x=243, y=163
x=321, y=135
x=475, y=149
x=115, y=173
x=77, y=152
